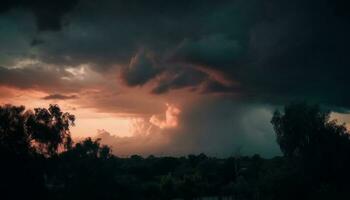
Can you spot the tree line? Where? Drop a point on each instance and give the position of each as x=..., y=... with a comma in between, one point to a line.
x=39, y=160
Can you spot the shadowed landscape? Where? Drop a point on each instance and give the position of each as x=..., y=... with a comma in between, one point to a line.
x=39, y=160
x=174, y=99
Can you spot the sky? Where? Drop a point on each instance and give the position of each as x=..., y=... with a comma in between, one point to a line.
x=176, y=77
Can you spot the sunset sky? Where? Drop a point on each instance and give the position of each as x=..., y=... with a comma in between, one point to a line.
x=175, y=77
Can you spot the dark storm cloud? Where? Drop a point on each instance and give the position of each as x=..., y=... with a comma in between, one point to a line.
x=111, y=32
x=36, y=41
x=179, y=78
x=29, y=78
x=214, y=126
x=189, y=77
x=47, y=79
x=294, y=50
x=212, y=86
x=222, y=127
x=48, y=14
x=256, y=52
x=59, y=97
x=276, y=50
x=212, y=50
x=141, y=69
x=300, y=52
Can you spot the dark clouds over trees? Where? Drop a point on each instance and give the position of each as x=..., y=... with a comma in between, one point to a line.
x=256, y=52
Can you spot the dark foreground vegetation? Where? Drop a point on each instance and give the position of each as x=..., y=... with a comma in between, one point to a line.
x=40, y=161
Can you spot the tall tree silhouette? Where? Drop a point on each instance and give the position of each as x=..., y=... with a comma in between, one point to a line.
x=49, y=129
x=319, y=146
x=303, y=129
x=13, y=135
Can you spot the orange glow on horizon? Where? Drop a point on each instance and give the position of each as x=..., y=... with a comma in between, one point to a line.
x=90, y=120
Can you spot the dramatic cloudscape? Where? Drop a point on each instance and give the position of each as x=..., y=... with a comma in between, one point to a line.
x=176, y=77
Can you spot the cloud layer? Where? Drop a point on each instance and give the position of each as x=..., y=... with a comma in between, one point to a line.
x=216, y=127
x=130, y=57
x=277, y=50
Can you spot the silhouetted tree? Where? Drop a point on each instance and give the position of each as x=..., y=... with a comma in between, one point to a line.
x=91, y=148
x=21, y=169
x=319, y=146
x=49, y=129
x=301, y=129
x=14, y=137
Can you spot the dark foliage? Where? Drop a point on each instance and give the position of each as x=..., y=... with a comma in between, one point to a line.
x=38, y=161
